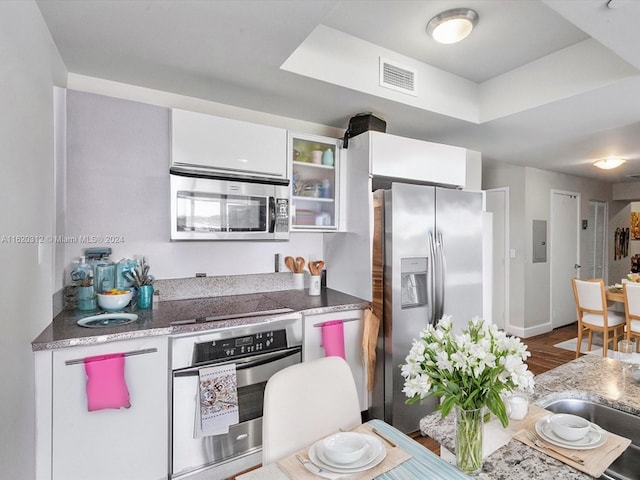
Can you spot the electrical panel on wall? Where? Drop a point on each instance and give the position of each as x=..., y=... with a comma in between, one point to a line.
x=539, y=241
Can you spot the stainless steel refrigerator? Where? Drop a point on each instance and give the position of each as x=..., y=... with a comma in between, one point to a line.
x=427, y=254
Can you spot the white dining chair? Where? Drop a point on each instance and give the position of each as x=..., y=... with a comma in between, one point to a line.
x=306, y=402
x=593, y=315
x=632, y=309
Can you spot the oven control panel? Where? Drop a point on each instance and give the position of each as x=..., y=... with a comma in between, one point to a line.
x=236, y=347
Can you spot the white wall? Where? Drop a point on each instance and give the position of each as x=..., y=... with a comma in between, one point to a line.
x=29, y=67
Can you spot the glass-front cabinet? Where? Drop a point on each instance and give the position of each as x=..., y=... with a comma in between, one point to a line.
x=314, y=182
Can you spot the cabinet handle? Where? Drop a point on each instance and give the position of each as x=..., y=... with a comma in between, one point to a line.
x=321, y=324
x=127, y=354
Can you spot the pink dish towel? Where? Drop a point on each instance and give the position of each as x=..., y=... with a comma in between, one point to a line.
x=333, y=338
x=106, y=386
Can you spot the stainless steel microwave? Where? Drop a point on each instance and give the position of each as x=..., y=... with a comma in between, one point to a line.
x=213, y=207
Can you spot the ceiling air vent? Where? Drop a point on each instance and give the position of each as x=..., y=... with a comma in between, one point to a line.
x=397, y=77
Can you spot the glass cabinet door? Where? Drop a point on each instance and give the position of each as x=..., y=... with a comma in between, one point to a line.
x=314, y=182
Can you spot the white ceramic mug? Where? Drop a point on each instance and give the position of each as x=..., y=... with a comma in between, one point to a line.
x=314, y=285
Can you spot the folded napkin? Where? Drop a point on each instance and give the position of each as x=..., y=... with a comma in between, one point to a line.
x=292, y=467
x=596, y=460
x=106, y=385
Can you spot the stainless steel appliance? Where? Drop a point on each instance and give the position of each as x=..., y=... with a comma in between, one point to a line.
x=431, y=264
x=209, y=206
x=258, y=351
x=415, y=251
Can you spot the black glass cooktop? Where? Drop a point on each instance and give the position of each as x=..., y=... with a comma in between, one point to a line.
x=237, y=306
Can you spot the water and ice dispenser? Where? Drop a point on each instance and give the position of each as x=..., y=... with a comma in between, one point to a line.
x=413, y=281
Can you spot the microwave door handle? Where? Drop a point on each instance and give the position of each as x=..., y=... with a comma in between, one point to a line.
x=272, y=214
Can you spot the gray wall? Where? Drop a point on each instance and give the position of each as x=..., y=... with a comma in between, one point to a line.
x=118, y=185
x=530, y=200
x=30, y=66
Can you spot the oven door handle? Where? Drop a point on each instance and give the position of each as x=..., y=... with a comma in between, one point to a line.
x=242, y=363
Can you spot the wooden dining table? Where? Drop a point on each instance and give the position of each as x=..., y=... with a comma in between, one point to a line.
x=614, y=295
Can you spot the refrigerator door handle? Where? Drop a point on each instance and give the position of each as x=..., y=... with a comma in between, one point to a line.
x=432, y=281
x=441, y=275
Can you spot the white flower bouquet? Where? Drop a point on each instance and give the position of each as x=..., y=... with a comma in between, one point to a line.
x=469, y=370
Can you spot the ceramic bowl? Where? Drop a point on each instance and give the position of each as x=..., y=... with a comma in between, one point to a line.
x=113, y=302
x=345, y=447
x=569, y=427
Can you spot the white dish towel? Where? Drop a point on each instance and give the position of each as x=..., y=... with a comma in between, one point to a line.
x=217, y=400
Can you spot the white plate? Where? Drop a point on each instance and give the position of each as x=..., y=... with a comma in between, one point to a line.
x=372, y=457
x=107, y=320
x=591, y=440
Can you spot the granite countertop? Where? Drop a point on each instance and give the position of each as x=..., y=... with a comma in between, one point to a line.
x=590, y=377
x=190, y=315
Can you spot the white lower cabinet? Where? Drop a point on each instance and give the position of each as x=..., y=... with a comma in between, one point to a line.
x=353, y=323
x=125, y=444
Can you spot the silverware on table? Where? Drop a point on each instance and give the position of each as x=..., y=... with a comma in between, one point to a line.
x=309, y=465
x=384, y=437
x=540, y=444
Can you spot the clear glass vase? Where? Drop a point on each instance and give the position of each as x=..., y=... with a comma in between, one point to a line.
x=469, y=425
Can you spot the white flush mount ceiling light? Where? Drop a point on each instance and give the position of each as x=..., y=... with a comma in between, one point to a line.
x=452, y=25
x=609, y=163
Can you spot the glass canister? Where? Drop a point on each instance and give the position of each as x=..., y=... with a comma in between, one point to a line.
x=87, y=299
x=104, y=278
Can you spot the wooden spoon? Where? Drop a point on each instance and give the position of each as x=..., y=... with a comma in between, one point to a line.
x=299, y=264
x=290, y=263
x=315, y=267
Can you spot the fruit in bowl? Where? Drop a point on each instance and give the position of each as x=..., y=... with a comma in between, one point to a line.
x=114, y=299
x=633, y=277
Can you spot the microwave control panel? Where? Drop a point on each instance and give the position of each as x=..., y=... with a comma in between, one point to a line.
x=282, y=215
x=237, y=347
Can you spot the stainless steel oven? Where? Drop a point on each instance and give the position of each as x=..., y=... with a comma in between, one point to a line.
x=207, y=206
x=258, y=351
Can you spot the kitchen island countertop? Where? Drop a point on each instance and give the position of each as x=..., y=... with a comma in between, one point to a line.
x=589, y=377
x=191, y=315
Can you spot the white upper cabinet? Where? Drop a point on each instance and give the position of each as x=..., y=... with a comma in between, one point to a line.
x=227, y=146
x=411, y=159
x=315, y=182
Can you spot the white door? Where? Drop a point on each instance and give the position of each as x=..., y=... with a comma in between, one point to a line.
x=497, y=203
x=596, y=231
x=564, y=253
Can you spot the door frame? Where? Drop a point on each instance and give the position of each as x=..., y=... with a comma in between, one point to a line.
x=605, y=240
x=551, y=246
x=505, y=254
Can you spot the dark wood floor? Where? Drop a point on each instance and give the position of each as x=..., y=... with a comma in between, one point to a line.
x=544, y=357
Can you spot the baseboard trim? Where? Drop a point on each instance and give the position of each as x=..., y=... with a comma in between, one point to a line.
x=526, y=332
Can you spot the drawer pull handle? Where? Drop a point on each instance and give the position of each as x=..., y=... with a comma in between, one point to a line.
x=242, y=436
x=341, y=320
x=127, y=354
